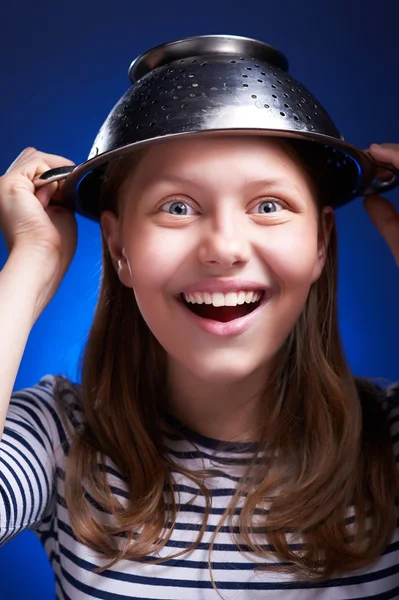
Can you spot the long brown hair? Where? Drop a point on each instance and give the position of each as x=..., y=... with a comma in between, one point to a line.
x=327, y=448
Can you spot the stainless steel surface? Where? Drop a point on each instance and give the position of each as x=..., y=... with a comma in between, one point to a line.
x=212, y=85
x=381, y=186
x=201, y=45
x=52, y=175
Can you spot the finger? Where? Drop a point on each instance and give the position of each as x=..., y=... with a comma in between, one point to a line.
x=387, y=146
x=46, y=193
x=33, y=168
x=385, y=153
x=28, y=155
x=21, y=178
x=21, y=156
x=386, y=220
x=52, y=192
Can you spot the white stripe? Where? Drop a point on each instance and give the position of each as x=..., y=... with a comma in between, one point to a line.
x=172, y=579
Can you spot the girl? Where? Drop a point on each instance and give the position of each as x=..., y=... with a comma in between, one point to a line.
x=218, y=444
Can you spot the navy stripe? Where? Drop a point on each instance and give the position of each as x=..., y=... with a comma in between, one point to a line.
x=96, y=593
x=26, y=407
x=12, y=459
x=45, y=447
x=22, y=441
x=394, y=593
x=8, y=500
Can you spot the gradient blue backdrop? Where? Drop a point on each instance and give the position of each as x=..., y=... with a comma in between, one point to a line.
x=64, y=64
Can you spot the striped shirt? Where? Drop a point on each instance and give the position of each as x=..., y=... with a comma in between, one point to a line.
x=32, y=472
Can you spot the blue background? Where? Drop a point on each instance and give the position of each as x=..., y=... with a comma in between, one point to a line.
x=63, y=66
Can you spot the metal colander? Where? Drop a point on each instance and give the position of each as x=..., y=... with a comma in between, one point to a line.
x=212, y=85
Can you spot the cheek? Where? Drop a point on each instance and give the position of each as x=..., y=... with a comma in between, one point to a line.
x=153, y=261
x=292, y=255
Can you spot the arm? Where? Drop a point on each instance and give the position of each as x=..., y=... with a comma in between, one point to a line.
x=19, y=292
x=31, y=435
x=41, y=240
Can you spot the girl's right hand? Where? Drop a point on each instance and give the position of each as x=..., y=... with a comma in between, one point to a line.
x=29, y=225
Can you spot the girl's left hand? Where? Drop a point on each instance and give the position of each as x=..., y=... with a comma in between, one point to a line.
x=380, y=210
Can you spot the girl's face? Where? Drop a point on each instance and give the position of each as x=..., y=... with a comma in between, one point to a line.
x=218, y=215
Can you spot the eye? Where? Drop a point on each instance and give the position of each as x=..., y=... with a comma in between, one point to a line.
x=269, y=206
x=177, y=207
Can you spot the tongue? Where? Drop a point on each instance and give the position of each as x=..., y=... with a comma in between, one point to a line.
x=221, y=313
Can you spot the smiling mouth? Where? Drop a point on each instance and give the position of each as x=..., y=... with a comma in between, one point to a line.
x=222, y=314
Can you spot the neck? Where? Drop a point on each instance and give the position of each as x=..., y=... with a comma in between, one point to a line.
x=222, y=410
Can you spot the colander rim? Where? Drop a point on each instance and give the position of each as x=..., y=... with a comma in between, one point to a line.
x=364, y=161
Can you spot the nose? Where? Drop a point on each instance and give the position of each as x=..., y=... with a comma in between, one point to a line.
x=225, y=243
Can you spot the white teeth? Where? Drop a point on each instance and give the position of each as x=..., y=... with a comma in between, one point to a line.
x=198, y=298
x=249, y=296
x=207, y=298
x=241, y=298
x=230, y=299
x=219, y=299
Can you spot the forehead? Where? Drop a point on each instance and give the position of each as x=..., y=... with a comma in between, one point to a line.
x=237, y=157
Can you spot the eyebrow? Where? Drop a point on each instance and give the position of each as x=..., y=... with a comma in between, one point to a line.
x=277, y=182
x=280, y=182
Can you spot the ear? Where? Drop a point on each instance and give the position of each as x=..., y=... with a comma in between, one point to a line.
x=327, y=221
x=111, y=230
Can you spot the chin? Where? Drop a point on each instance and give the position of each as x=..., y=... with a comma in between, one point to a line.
x=225, y=369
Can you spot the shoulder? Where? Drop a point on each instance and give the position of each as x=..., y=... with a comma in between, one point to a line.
x=52, y=405
x=390, y=404
x=380, y=407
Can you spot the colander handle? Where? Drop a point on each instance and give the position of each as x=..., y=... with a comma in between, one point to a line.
x=52, y=175
x=380, y=187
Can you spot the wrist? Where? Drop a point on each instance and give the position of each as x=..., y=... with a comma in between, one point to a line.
x=29, y=273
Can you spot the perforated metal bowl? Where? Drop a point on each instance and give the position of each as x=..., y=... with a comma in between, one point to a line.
x=212, y=85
